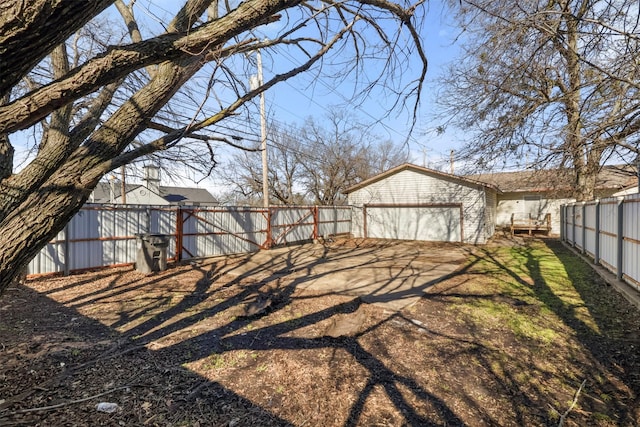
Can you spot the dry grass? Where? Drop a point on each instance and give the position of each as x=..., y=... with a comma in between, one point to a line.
x=506, y=341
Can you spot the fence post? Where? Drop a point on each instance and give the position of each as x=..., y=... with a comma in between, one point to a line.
x=179, y=233
x=316, y=222
x=562, y=222
x=620, y=240
x=269, y=240
x=573, y=225
x=584, y=228
x=65, y=249
x=596, y=250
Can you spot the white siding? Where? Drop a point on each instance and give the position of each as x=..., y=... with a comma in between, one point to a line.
x=415, y=187
x=491, y=211
x=143, y=196
x=509, y=203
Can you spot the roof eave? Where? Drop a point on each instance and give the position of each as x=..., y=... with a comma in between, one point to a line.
x=406, y=166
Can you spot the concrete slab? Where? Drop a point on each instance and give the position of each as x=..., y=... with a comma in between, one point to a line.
x=391, y=274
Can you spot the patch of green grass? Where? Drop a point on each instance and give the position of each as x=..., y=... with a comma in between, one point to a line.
x=605, y=397
x=499, y=315
x=523, y=326
x=599, y=416
x=217, y=361
x=555, y=282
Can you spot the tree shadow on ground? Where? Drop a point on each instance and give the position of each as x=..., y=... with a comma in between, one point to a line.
x=187, y=351
x=592, y=311
x=154, y=342
x=64, y=362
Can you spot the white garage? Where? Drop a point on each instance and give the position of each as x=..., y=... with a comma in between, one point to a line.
x=410, y=202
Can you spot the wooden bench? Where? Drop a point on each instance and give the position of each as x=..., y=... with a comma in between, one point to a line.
x=531, y=225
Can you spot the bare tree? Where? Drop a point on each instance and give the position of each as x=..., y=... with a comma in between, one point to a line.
x=550, y=83
x=312, y=164
x=342, y=154
x=243, y=173
x=96, y=123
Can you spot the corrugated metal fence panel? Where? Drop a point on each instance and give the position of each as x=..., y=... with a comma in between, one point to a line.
x=292, y=224
x=99, y=236
x=198, y=229
x=85, y=250
x=578, y=218
x=590, y=228
x=221, y=231
x=246, y=231
x=102, y=236
x=334, y=220
x=51, y=259
x=609, y=233
x=631, y=236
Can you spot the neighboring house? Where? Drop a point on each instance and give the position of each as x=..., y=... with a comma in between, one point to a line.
x=151, y=193
x=416, y=203
x=631, y=189
x=533, y=194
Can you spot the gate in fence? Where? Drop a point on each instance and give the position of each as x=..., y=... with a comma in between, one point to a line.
x=105, y=236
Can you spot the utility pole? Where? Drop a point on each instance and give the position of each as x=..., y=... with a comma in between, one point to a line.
x=638, y=170
x=263, y=134
x=123, y=188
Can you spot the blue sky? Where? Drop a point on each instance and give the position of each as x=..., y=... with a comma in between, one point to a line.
x=293, y=101
x=297, y=99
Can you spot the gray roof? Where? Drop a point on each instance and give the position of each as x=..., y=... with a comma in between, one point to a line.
x=173, y=195
x=548, y=180
x=186, y=195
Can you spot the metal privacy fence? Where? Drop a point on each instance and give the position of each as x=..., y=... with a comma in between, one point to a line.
x=105, y=236
x=608, y=231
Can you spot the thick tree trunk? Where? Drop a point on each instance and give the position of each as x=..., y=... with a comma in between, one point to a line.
x=47, y=194
x=585, y=183
x=585, y=159
x=6, y=156
x=29, y=30
x=47, y=209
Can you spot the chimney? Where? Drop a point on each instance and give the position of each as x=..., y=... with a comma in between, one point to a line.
x=152, y=178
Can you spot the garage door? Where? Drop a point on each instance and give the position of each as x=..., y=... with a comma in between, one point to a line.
x=434, y=223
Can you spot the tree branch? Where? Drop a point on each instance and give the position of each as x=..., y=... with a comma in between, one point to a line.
x=119, y=61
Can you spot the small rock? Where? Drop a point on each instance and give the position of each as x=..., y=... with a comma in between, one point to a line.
x=107, y=407
x=348, y=325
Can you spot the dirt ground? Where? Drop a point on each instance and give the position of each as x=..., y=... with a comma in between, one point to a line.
x=517, y=332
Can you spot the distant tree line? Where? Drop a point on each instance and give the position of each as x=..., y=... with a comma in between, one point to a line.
x=313, y=163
